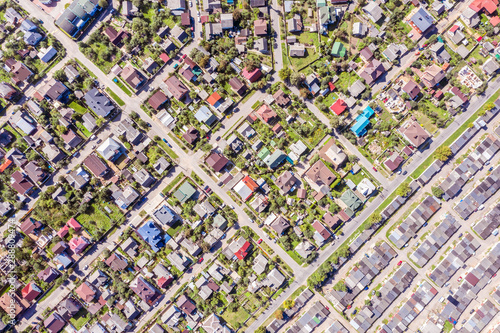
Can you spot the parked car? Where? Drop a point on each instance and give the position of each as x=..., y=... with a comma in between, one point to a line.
x=200, y=260
x=259, y=241
x=400, y=262
x=190, y=4
x=459, y=278
x=375, y=169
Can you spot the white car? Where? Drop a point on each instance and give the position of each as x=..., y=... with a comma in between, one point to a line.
x=199, y=19
x=198, y=13
x=190, y=4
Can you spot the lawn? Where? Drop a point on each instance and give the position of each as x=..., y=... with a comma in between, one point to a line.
x=425, y=122
x=86, y=69
x=117, y=99
x=234, y=319
x=173, y=183
x=300, y=62
x=175, y=229
x=105, y=65
x=122, y=86
x=116, y=214
x=167, y=149
x=82, y=129
x=346, y=79
x=330, y=99
x=284, y=55
x=310, y=38
x=80, y=318
x=94, y=219
x=81, y=110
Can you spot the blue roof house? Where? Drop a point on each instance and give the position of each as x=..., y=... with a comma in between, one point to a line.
x=362, y=121
x=62, y=261
x=152, y=235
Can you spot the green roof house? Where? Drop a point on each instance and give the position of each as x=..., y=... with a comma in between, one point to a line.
x=275, y=159
x=338, y=49
x=327, y=15
x=351, y=200
x=185, y=192
x=321, y=3
x=263, y=153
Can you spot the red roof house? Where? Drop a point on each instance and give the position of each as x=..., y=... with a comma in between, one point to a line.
x=338, y=107
x=73, y=224
x=78, y=244
x=250, y=183
x=213, y=99
x=489, y=6
x=265, y=113
x=63, y=231
x=253, y=75
x=164, y=57
x=164, y=282
x=494, y=21
x=243, y=251
x=31, y=291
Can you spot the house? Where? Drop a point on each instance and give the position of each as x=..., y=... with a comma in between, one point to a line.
x=177, y=7
x=432, y=76
x=86, y=291
x=144, y=178
x=320, y=174
x=257, y=3
x=132, y=76
x=71, y=139
x=338, y=107
x=185, y=19
x=260, y=27
x=412, y=89
x=366, y=54
x=176, y=88
x=392, y=52
x=484, y=6
x=31, y=291
x=20, y=73
x=186, y=305
x=304, y=249
x=58, y=248
x=180, y=261
x=362, y=122
x=285, y=182
x=71, y=73
x=213, y=324
x=98, y=103
x=281, y=99
x=153, y=236
x=12, y=16
x=470, y=17
x=456, y=35
x=143, y=289
x=63, y=261
x=109, y=149
x=421, y=21
x=490, y=66
x=165, y=216
x=217, y=161
x=30, y=225
x=213, y=30
x=149, y=65
x=179, y=33
x=338, y=50
x=54, y=323
x=98, y=278
x=126, y=197
x=34, y=172
x=5, y=208
x=237, y=86
x=185, y=192
x=312, y=83
x=373, y=11
x=275, y=159
x=274, y=279
x=394, y=161
x=78, y=244
x=260, y=264
x=226, y=21
x=266, y=114
x=116, y=38
x=245, y=188
x=294, y=24
x=48, y=275
x=297, y=50
x=326, y=16
x=74, y=18
x=414, y=133
x=359, y=29
x=357, y=88
x=94, y=164
x=192, y=248
x=68, y=308
x=333, y=154
x=17, y=304
x=321, y=234
x=116, y=262
x=372, y=71
x=204, y=115
x=16, y=156
x=280, y=225
x=53, y=90
x=237, y=249
x=20, y=183
x=157, y=100
x=351, y=201
x=252, y=75
x=47, y=54
x=260, y=45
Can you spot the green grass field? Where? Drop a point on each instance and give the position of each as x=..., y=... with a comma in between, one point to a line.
x=117, y=99
x=122, y=86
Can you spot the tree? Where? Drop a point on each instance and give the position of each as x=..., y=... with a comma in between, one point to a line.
x=295, y=79
x=278, y=314
x=437, y=191
x=335, y=122
x=443, y=153
x=285, y=73
x=404, y=189
x=375, y=218
x=261, y=329
x=103, y=3
x=289, y=303
x=340, y=286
